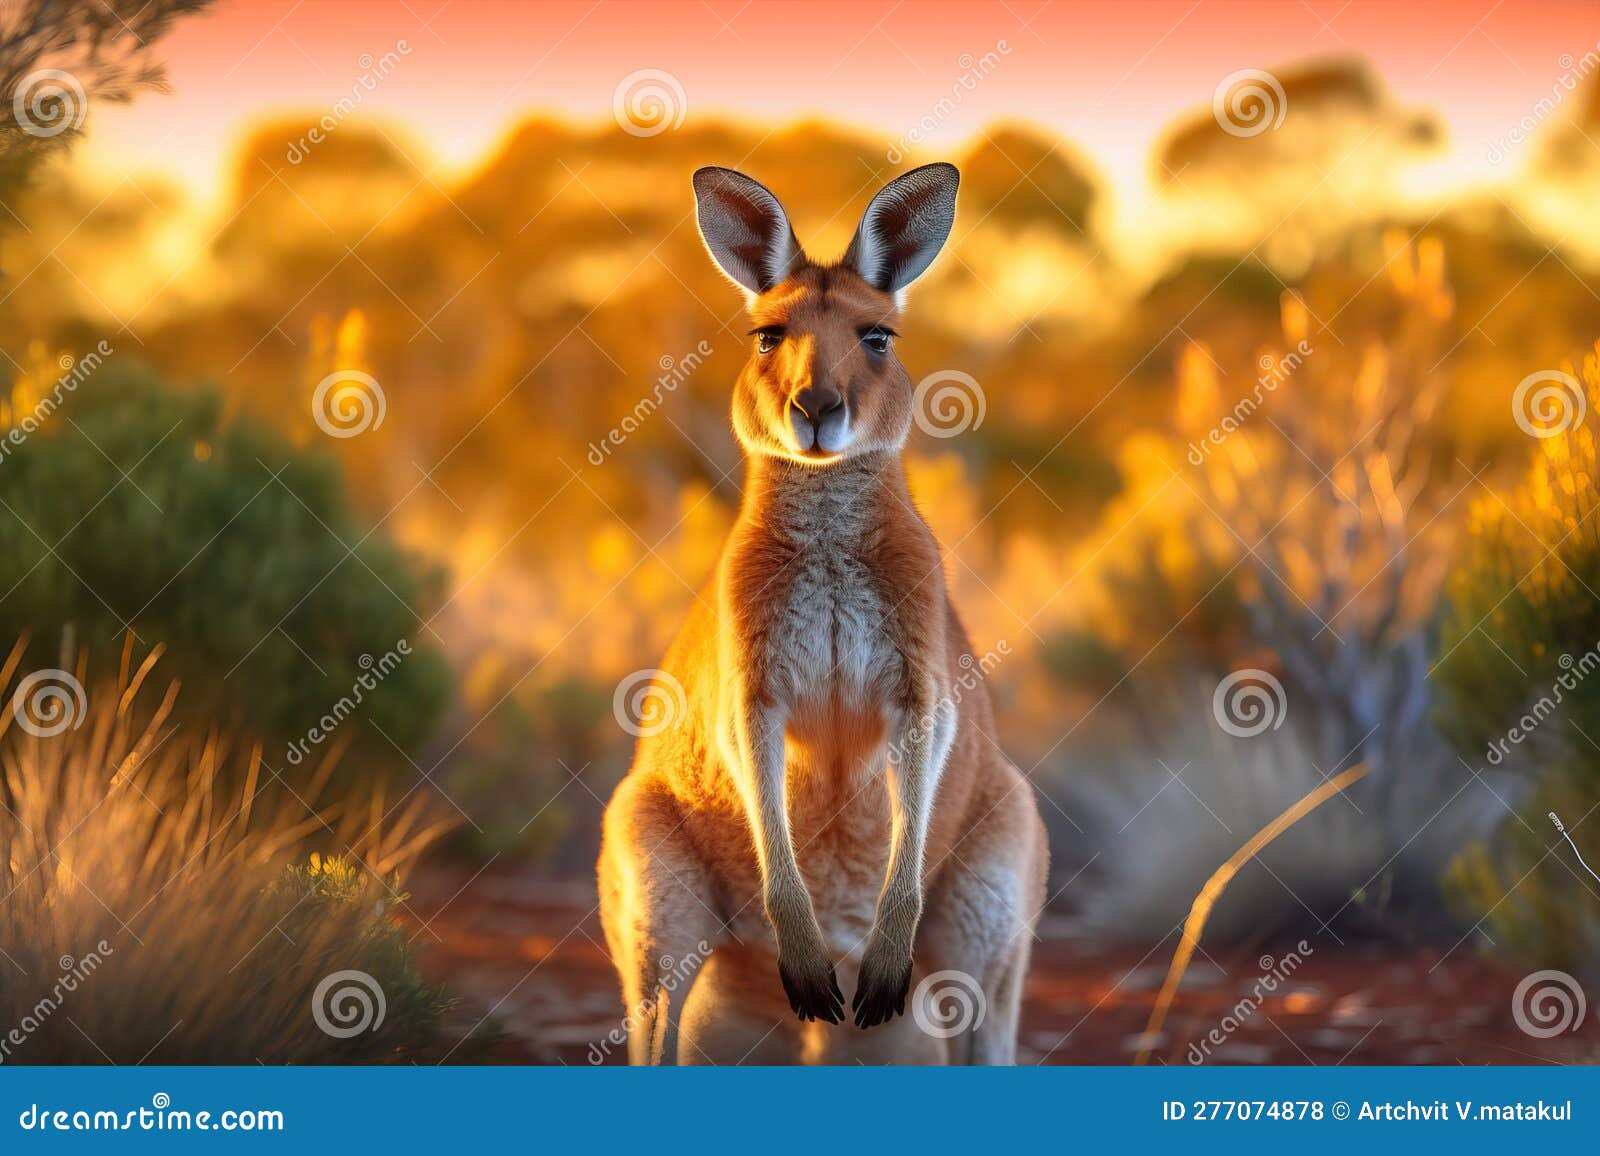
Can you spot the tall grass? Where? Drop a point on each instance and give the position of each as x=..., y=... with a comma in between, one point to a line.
x=164, y=898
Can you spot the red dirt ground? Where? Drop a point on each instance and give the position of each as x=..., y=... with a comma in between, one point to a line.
x=529, y=953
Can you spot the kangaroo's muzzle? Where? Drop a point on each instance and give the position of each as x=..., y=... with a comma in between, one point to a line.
x=820, y=420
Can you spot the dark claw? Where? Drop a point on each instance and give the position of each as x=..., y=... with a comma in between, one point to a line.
x=879, y=996
x=813, y=995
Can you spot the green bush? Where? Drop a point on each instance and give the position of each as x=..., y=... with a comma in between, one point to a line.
x=1520, y=665
x=130, y=506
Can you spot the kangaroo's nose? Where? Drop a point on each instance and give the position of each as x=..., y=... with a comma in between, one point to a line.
x=809, y=408
x=817, y=402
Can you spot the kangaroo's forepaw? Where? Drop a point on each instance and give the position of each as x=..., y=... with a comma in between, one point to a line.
x=813, y=990
x=880, y=991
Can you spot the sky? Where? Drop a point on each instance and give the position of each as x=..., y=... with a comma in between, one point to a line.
x=1107, y=75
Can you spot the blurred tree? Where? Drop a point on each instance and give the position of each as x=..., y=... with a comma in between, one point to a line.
x=1330, y=495
x=1285, y=160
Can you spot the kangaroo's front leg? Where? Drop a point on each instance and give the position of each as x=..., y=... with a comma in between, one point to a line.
x=803, y=962
x=923, y=735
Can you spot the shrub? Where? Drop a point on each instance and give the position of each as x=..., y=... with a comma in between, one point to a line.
x=156, y=913
x=1524, y=596
x=1519, y=652
x=128, y=506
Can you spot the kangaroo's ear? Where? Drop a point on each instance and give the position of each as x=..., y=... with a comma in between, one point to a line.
x=904, y=227
x=745, y=229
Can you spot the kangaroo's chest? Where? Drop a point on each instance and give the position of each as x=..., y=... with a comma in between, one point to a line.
x=830, y=648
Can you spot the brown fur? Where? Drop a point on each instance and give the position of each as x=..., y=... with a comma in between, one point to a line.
x=771, y=826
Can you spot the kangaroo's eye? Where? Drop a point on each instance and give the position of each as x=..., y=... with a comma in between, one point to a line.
x=768, y=339
x=876, y=340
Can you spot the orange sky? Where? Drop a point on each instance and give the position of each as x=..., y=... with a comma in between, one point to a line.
x=1108, y=75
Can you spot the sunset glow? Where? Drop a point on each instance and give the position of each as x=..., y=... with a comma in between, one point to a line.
x=1108, y=76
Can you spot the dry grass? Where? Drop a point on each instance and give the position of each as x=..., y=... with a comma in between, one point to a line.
x=159, y=902
x=1200, y=910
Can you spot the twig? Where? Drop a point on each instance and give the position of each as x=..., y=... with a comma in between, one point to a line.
x=1200, y=911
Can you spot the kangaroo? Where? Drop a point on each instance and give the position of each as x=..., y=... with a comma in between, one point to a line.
x=831, y=790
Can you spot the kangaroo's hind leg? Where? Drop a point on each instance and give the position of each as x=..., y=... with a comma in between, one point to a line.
x=654, y=892
x=978, y=933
